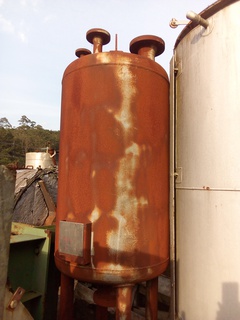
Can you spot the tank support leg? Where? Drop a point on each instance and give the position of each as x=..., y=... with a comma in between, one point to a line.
x=66, y=298
x=124, y=303
x=152, y=299
x=101, y=313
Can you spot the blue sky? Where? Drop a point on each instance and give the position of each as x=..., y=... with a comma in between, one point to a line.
x=39, y=38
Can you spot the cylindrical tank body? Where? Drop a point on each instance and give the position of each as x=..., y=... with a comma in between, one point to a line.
x=208, y=166
x=35, y=160
x=113, y=167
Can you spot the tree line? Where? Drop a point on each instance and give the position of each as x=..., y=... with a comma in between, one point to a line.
x=27, y=137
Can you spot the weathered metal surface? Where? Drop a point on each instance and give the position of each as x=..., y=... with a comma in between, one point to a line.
x=105, y=296
x=66, y=298
x=81, y=52
x=113, y=168
x=124, y=302
x=172, y=177
x=15, y=299
x=75, y=242
x=98, y=37
x=147, y=46
x=7, y=183
x=207, y=154
x=35, y=196
x=35, y=160
x=23, y=177
x=101, y=313
x=49, y=202
x=152, y=299
x=18, y=310
x=31, y=267
x=207, y=13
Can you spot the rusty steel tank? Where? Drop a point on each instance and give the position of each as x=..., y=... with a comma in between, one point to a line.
x=112, y=222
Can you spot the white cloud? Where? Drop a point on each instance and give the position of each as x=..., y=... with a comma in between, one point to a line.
x=24, y=3
x=29, y=3
x=49, y=18
x=6, y=25
x=22, y=36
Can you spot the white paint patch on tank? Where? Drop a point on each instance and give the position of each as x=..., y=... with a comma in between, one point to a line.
x=95, y=214
x=126, y=208
x=127, y=87
x=109, y=277
x=103, y=58
x=127, y=205
x=125, y=211
x=142, y=202
x=116, y=267
x=149, y=271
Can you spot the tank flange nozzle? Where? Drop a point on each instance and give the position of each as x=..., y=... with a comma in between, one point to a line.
x=148, y=46
x=98, y=37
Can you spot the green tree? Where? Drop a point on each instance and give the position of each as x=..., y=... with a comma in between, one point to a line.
x=27, y=137
x=6, y=146
x=26, y=123
x=4, y=123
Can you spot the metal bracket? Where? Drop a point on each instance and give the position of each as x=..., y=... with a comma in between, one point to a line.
x=192, y=16
x=17, y=296
x=174, y=23
x=178, y=175
x=49, y=202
